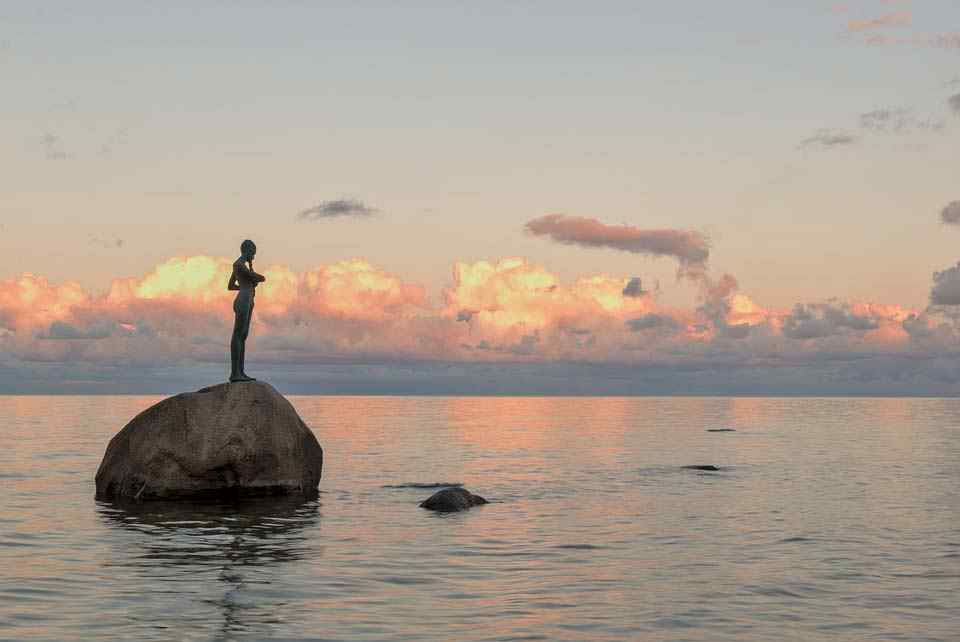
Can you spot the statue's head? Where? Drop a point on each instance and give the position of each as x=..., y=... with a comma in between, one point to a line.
x=248, y=249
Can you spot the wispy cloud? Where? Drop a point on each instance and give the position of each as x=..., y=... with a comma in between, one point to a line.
x=893, y=29
x=117, y=139
x=898, y=19
x=935, y=41
x=895, y=121
x=944, y=41
x=107, y=243
x=339, y=208
x=883, y=120
x=899, y=121
x=828, y=139
x=52, y=146
x=690, y=248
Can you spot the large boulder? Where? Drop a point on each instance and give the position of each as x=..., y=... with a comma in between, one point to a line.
x=230, y=439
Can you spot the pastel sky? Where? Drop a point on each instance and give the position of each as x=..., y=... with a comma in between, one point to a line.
x=756, y=196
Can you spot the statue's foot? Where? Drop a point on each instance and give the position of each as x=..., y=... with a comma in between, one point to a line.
x=247, y=377
x=240, y=378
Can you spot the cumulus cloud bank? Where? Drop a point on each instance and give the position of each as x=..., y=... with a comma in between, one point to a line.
x=652, y=321
x=690, y=248
x=812, y=321
x=510, y=311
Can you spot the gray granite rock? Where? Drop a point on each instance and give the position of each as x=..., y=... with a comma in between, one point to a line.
x=230, y=439
x=452, y=499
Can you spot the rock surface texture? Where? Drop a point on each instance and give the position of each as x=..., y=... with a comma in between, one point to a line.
x=230, y=439
x=449, y=500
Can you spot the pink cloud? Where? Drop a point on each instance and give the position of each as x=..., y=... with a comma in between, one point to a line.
x=690, y=248
x=945, y=41
x=899, y=19
x=493, y=311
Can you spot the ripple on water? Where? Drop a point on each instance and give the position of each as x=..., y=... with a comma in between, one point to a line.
x=425, y=485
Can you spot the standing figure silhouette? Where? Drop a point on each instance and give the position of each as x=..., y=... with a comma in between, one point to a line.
x=245, y=281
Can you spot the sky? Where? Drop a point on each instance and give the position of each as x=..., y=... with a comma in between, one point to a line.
x=750, y=197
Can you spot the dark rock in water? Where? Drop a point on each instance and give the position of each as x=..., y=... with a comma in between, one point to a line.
x=452, y=499
x=721, y=430
x=707, y=467
x=231, y=439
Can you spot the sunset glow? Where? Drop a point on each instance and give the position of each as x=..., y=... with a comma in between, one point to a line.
x=503, y=310
x=689, y=196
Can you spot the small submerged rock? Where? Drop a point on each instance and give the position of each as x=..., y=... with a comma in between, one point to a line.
x=451, y=500
x=721, y=430
x=705, y=467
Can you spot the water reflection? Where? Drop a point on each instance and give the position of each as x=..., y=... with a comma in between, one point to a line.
x=225, y=554
x=835, y=518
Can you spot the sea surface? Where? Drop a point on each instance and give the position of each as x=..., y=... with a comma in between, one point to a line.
x=828, y=519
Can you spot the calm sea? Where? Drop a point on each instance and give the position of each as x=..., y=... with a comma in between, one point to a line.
x=830, y=519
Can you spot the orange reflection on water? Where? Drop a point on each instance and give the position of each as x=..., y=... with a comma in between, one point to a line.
x=746, y=411
x=512, y=423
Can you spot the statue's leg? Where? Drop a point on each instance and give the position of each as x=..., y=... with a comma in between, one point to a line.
x=247, y=317
x=246, y=333
x=241, y=326
x=236, y=347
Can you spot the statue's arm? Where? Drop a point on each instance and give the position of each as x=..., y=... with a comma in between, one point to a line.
x=232, y=283
x=259, y=278
x=248, y=273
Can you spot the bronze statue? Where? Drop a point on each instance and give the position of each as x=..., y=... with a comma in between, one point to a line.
x=245, y=281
